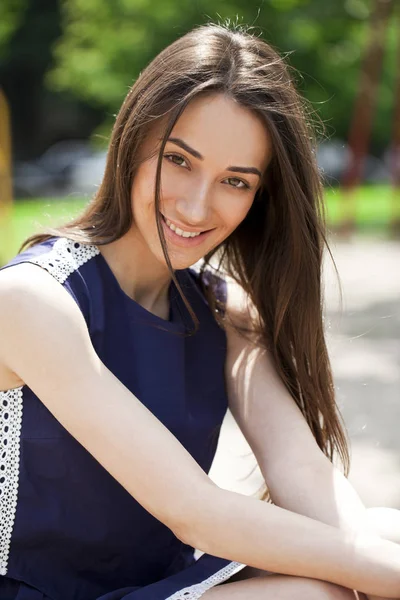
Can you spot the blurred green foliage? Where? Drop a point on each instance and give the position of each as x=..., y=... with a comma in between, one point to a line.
x=11, y=13
x=105, y=44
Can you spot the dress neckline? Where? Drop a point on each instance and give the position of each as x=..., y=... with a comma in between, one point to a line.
x=174, y=322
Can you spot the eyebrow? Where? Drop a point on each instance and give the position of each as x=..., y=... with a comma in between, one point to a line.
x=197, y=154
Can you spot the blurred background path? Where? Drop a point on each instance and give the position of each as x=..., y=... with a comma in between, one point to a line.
x=364, y=343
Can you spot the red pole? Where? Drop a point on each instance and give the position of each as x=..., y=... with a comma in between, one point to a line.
x=364, y=107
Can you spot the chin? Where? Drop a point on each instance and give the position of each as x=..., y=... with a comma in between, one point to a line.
x=179, y=264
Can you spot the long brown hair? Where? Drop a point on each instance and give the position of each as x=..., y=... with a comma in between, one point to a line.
x=275, y=254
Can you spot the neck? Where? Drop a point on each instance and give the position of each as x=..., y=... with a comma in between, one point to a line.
x=139, y=274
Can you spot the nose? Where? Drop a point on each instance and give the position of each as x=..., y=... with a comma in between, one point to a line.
x=194, y=206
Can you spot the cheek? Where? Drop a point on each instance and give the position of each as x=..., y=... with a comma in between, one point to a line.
x=143, y=188
x=176, y=184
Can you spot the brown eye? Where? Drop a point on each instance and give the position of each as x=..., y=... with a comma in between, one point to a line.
x=237, y=183
x=176, y=159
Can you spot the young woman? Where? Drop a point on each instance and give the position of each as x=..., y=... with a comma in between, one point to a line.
x=118, y=362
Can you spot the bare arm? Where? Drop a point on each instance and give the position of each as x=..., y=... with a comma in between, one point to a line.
x=45, y=342
x=300, y=478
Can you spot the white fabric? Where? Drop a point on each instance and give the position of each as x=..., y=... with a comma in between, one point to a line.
x=65, y=257
x=194, y=592
x=10, y=433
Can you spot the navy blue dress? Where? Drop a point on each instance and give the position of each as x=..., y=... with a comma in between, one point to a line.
x=68, y=529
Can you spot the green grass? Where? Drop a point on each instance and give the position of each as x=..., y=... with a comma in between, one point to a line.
x=372, y=207
x=30, y=216
x=369, y=207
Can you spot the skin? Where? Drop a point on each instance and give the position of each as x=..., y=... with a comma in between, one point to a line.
x=198, y=194
x=300, y=478
x=202, y=195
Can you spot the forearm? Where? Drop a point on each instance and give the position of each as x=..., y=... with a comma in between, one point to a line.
x=273, y=539
x=386, y=523
x=321, y=492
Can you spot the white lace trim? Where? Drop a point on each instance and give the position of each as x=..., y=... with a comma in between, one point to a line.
x=10, y=433
x=193, y=592
x=65, y=257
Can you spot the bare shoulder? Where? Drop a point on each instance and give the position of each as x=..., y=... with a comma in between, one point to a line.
x=10, y=279
x=237, y=301
x=36, y=312
x=21, y=288
x=241, y=316
x=28, y=287
x=30, y=297
x=23, y=278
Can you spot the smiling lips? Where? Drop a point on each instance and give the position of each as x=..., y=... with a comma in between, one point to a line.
x=181, y=237
x=181, y=232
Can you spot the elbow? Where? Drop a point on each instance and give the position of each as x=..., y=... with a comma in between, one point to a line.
x=185, y=532
x=196, y=535
x=196, y=523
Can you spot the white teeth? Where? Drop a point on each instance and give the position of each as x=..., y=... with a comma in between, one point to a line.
x=185, y=234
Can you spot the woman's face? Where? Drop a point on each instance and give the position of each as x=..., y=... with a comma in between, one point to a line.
x=212, y=167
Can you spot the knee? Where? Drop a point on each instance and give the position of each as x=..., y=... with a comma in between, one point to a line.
x=299, y=588
x=321, y=590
